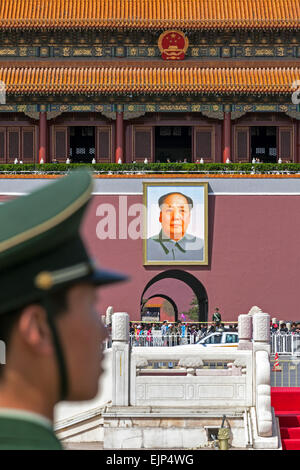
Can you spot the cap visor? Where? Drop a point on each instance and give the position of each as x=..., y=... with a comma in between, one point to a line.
x=101, y=277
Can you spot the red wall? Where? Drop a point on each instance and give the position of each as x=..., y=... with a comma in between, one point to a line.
x=254, y=257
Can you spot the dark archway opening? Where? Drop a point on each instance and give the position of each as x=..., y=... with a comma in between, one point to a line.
x=194, y=283
x=163, y=296
x=173, y=143
x=82, y=144
x=264, y=143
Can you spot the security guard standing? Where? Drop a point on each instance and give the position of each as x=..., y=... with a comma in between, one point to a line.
x=48, y=318
x=217, y=317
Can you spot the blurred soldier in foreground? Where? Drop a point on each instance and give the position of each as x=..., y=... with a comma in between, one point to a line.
x=48, y=317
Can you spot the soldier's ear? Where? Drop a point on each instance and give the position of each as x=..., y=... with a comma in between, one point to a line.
x=34, y=330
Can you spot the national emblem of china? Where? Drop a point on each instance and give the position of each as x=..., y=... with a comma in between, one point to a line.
x=173, y=45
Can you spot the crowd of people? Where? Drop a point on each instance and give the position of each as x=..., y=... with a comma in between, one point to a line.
x=173, y=333
x=285, y=327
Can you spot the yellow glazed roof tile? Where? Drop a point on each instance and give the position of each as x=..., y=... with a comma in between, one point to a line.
x=149, y=14
x=149, y=80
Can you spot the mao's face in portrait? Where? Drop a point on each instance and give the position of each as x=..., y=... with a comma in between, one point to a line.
x=175, y=215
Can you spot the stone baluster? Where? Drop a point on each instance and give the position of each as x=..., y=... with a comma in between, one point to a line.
x=245, y=331
x=261, y=331
x=261, y=348
x=109, y=314
x=120, y=362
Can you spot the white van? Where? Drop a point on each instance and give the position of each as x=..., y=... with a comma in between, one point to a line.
x=220, y=339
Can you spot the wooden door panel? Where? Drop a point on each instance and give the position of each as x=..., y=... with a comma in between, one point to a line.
x=60, y=143
x=143, y=144
x=104, y=144
x=2, y=145
x=28, y=144
x=204, y=144
x=285, y=137
x=242, y=144
x=13, y=144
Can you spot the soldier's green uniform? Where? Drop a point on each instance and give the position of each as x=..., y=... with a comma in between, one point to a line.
x=41, y=251
x=26, y=431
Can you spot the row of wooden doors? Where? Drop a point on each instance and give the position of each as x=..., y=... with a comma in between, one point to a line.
x=142, y=143
x=22, y=143
x=18, y=143
x=243, y=150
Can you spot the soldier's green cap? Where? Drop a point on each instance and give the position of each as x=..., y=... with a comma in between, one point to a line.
x=41, y=249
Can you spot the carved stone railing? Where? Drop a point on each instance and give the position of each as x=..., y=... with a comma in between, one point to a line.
x=230, y=387
x=242, y=383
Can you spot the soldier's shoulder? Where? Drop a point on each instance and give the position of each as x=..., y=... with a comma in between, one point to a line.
x=20, y=434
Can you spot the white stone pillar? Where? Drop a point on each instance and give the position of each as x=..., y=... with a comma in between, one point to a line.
x=109, y=314
x=120, y=360
x=261, y=331
x=245, y=331
x=262, y=377
x=263, y=394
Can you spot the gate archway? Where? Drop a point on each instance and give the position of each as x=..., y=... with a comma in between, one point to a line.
x=190, y=280
x=169, y=299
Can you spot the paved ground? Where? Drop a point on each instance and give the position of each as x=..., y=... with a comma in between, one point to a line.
x=83, y=445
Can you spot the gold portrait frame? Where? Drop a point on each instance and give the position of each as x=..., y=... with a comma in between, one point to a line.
x=180, y=187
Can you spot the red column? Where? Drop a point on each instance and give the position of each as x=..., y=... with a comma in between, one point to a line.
x=43, y=137
x=227, y=136
x=297, y=159
x=119, y=136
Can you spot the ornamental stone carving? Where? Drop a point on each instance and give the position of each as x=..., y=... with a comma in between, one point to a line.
x=263, y=394
x=240, y=363
x=238, y=367
x=120, y=327
x=245, y=328
x=190, y=362
x=141, y=362
x=261, y=327
x=254, y=310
